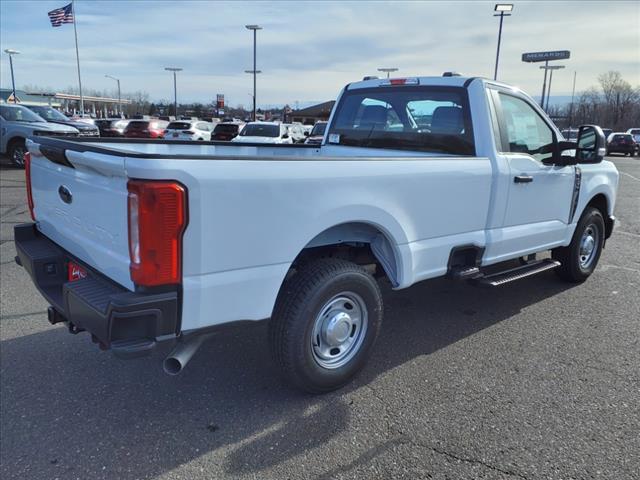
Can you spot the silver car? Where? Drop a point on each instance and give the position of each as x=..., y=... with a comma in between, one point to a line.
x=18, y=123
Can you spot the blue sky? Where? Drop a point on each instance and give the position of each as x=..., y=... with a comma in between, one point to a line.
x=309, y=50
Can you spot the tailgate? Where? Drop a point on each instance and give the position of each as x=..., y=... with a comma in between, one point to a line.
x=81, y=204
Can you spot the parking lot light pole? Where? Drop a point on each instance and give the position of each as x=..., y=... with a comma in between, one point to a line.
x=387, y=70
x=119, y=97
x=254, y=73
x=175, y=88
x=502, y=9
x=11, y=52
x=255, y=29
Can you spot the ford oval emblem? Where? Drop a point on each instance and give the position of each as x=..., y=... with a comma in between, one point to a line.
x=65, y=194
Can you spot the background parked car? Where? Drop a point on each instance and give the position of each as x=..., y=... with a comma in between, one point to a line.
x=635, y=132
x=226, y=131
x=296, y=132
x=317, y=134
x=264, y=132
x=607, y=132
x=54, y=116
x=17, y=123
x=621, y=142
x=145, y=129
x=189, y=130
x=112, y=127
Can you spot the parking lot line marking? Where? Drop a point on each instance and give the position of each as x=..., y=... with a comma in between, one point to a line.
x=629, y=175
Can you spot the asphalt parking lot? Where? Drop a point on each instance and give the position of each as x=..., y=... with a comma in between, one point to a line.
x=535, y=380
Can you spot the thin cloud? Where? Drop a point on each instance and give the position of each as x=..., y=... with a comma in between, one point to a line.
x=309, y=50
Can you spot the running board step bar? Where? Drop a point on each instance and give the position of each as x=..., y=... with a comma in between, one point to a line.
x=517, y=273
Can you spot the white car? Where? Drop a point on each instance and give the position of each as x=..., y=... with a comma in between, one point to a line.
x=297, y=132
x=189, y=130
x=143, y=243
x=264, y=132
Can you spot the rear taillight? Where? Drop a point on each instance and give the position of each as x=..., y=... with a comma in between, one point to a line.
x=27, y=174
x=157, y=220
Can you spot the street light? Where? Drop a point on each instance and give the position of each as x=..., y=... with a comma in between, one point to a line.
x=119, y=97
x=175, y=89
x=11, y=52
x=387, y=70
x=551, y=68
x=255, y=28
x=502, y=9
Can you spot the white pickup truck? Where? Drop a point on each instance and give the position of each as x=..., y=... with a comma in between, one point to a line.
x=140, y=242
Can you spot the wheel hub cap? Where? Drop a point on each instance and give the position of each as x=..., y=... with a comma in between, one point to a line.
x=588, y=245
x=339, y=330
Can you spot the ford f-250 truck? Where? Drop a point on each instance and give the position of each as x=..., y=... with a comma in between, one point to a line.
x=140, y=242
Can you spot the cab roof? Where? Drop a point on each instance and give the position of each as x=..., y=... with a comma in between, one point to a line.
x=443, y=81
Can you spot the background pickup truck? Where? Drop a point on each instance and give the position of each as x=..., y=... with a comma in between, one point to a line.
x=138, y=242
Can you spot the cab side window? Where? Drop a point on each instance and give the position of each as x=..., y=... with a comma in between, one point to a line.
x=526, y=131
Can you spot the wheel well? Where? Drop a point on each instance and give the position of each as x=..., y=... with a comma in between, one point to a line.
x=13, y=141
x=600, y=202
x=357, y=242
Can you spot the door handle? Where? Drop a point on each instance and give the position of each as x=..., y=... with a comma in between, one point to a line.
x=523, y=179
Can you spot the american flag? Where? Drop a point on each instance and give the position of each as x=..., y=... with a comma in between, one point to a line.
x=61, y=15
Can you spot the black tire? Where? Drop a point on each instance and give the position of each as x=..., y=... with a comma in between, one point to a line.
x=300, y=304
x=17, y=149
x=576, y=266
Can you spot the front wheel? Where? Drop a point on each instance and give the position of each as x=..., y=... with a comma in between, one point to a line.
x=325, y=323
x=579, y=259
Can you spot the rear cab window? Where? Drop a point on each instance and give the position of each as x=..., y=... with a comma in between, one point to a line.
x=418, y=118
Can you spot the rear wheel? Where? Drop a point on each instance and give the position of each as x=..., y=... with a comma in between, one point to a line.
x=580, y=257
x=16, y=151
x=325, y=323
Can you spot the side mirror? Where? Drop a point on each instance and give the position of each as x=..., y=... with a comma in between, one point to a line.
x=591, y=144
x=306, y=134
x=285, y=135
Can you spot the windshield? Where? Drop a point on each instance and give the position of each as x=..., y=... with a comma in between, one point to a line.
x=179, y=126
x=19, y=114
x=261, y=130
x=432, y=119
x=318, y=129
x=226, y=128
x=49, y=113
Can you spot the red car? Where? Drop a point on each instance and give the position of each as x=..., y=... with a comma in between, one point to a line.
x=146, y=129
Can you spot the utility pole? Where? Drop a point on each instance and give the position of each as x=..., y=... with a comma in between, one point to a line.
x=573, y=94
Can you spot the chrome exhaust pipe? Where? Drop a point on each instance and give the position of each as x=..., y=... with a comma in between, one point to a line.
x=182, y=353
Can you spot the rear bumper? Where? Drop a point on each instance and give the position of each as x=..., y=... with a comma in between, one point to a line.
x=621, y=149
x=130, y=323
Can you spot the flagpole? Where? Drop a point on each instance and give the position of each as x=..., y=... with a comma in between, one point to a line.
x=75, y=31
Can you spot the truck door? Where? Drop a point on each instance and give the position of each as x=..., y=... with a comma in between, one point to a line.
x=539, y=198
